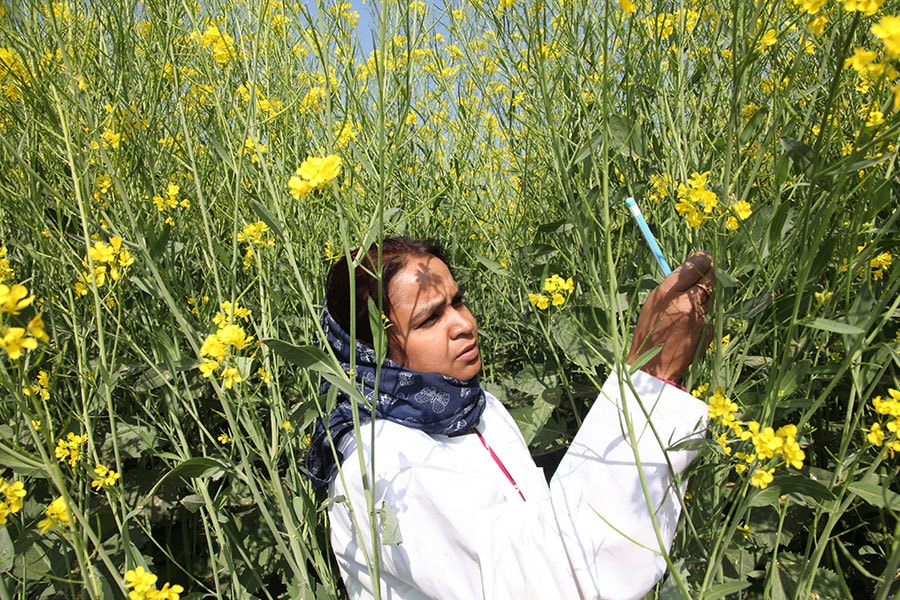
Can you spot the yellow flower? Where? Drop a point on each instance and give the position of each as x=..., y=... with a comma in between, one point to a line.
x=14, y=299
x=764, y=441
x=768, y=40
x=106, y=476
x=628, y=7
x=57, y=514
x=140, y=581
x=11, y=495
x=719, y=406
x=792, y=454
x=817, y=25
x=809, y=6
x=223, y=438
x=229, y=313
x=319, y=171
x=299, y=187
x=208, y=367
x=541, y=301
x=742, y=209
x=6, y=271
x=220, y=45
x=234, y=336
x=722, y=440
x=762, y=478
x=14, y=342
x=230, y=376
x=888, y=31
x=256, y=234
x=866, y=7
x=143, y=586
x=875, y=436
x=879, y=264
x=69, y=449
x=35, y=329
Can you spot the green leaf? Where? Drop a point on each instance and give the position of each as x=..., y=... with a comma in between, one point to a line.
x=791, y=484
x=151, y=378
x=379, y=333
x=725, y=589
x=21, y=462
x=531, y=419
x=831, y=325
x=492, y=266
x=7, y=551
x=876, y=495
x=201, y=466
x=791, y=379
x=390, y=525
x=192, y=468
x=268, y=218
x=307, y=357
x=134, y=440
x=579, y=344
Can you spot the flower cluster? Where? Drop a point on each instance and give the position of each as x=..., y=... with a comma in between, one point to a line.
x=251, y=92
x=698, y=203
x=69, y=449
x=169, y=201
x=40, y=388
x=103, y=260
x=314, y=173
x=768, y=444
x=255, y=235
x=11, y=495
x=220, y=45
x=219, y=348
x=105, y=477
x=557, y=293
x=6, y=271
x=57, y=515
x=13, y=73
x=16, y=340
x=876, y=265
x=252, y=148
x=886, y=434
x=142, y=586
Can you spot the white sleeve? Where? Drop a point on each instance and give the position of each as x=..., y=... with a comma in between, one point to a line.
x=605, y=514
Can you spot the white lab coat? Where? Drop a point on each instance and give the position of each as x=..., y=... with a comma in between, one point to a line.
x=468, y=534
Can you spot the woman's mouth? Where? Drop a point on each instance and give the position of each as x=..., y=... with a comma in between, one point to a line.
x=469, y=353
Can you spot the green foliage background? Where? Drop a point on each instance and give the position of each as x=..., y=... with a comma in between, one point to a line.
x=511, y=132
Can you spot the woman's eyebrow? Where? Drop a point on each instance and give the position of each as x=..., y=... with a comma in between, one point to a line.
x=428, y=309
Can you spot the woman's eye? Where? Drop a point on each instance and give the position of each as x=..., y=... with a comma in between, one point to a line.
x=429, y=320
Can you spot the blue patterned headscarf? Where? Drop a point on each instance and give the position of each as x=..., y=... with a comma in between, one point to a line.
x=430, y=402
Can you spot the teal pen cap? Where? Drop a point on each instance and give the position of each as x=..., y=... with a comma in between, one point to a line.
x=648, y=235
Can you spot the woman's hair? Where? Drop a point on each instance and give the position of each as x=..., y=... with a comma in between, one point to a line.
x=395, y=253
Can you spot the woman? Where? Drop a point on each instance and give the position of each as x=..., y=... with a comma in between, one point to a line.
x=476, y=516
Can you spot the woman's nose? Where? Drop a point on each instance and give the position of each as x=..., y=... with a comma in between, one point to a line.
x=463, y=322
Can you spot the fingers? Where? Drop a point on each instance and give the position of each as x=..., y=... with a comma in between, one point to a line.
x=697, y=269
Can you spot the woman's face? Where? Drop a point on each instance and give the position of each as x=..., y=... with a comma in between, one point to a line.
x=432, y=327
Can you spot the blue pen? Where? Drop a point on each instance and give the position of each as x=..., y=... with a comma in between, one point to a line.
x=648, y=235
